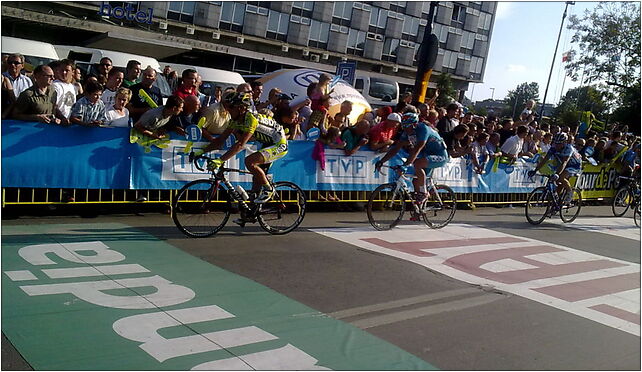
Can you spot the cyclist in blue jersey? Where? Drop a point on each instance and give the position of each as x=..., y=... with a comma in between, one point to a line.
x=569, y=163
x=428, y=151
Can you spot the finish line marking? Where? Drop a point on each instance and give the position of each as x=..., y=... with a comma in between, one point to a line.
x=598, y=288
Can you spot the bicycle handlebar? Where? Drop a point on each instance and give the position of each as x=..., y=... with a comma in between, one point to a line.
x=221, y=169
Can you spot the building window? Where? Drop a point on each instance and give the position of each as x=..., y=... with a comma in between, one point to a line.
x=182, y=11
x=467, y=42
x=319, y=32
x=476, y=65
x=356, y=42
x=378, y=19
x=277, y=26
x=398, y=6
x=441, y=32
x=303, y=8
x=390, y=47
x=450, y=59
x=232, y=15
x=484, y=20
x=342, y=13
x=459, y=15
x=410, y=28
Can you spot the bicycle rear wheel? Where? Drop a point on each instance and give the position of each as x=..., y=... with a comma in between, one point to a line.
x=621, y=201
x=386, y=206
x=636, y=215
x=570, y=210
x=284, y=212
x=438, y=212
x=538, y=205
x=201, y=209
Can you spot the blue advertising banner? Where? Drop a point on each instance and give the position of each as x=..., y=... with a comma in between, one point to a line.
x=49, y=156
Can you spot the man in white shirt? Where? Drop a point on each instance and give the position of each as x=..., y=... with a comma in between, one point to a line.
x=20, y=82
x=513, y=147
x=115, y=79
x=65, y=90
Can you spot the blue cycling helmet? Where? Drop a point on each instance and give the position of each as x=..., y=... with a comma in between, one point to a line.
x=560, y=138
x=409, y=119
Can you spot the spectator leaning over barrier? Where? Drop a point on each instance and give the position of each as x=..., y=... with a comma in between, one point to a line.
x=132, y=73
x=19, y=82
x=152, y=122
x=479, y=153
x=188, y=84
x=450, y=121
x=453, y=140
x=291, y=123
x=382, y=114
x=117, y=114
x=217, y=117
x=114, y=81
x=494, y=150
x=65, y=90
x=189, y=115
x=145, y=95
x=514, y=146
x=89, y=111
x=381, y=135
x=38, y=103
x=346, y=109
x=355, y=137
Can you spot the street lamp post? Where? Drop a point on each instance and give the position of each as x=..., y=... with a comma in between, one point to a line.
x=492, y=96
x=541, y=111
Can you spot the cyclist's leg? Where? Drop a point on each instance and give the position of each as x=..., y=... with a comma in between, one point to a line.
x=253, y=164
x=268, y=155
x=419, y=183
x=565, y=183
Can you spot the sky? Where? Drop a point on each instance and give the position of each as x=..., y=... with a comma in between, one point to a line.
x=522, y=46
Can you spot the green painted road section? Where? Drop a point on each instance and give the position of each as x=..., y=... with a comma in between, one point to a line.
x=110, y=297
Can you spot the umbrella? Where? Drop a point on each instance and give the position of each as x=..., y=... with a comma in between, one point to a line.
x=294, y=83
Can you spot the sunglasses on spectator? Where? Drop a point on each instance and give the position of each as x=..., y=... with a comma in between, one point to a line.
x=14, y=62
x=48, y=76
x=105, y=64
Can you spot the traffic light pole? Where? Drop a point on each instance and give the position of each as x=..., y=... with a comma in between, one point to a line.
x=427, y=56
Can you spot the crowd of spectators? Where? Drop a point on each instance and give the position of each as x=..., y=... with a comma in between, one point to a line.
x=127, y=97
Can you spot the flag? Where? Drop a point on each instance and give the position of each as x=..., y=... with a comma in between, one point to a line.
x=566, y=56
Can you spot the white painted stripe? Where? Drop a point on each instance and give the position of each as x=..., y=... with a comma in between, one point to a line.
x=78, y=272
x=401, y=303
x=426, y=311
x=623, y=227
x=502, y=267
x=20, y=275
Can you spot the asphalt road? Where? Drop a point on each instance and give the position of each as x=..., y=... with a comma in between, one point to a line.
x=448, y=322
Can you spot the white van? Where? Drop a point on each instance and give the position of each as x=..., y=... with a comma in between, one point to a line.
x=377, y=91
x=211, y=77
x=88, y=58
x=35, y=52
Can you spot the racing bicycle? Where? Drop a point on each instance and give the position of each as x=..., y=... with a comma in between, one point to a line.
x=388, y=203
x=544, y=202
x=202, y=207
x=627, y=196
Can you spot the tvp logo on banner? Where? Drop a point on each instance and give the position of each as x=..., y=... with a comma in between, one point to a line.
x=347, y=70
x=357, y=169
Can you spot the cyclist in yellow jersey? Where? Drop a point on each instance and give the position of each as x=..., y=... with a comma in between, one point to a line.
x=246, y=126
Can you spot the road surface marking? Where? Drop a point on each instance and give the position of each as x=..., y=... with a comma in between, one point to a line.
x=617, y=226
x=533, y=269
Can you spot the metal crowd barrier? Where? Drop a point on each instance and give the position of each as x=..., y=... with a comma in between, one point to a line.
x=43, y=196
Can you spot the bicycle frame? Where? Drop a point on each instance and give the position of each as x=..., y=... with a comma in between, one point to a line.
x=400, y=184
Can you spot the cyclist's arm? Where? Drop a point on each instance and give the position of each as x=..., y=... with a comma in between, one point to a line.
x=563, y=161
x=542, y=162
x=238, y=146
x=217, y=142
x=415, y=151
x=393, y=151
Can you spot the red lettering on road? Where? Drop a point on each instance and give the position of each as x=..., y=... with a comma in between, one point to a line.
x=471, y=263
x=578, y=291
x=618, y=313
x=417, y=248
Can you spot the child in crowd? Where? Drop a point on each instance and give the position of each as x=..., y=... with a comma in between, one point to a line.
x=332, y=139
x=479, y=153
x=90, y=109
x=117, y=114
x=291, y=122
x=492, y=145
x=355, y=137
x=320, y=101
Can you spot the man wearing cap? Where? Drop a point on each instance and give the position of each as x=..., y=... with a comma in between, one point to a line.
x=381, y=135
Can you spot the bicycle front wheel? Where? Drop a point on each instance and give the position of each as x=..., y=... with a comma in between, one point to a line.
x=201, y=209
x=538, y=205
x=571, y=210
x=284, y=212
x=439, y=209
x=621, y=201
x=386, y=206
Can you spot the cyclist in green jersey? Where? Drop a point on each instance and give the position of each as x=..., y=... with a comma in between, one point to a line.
x=247, y=126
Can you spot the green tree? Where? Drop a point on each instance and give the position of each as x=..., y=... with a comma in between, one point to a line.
x=516, y=99
x=606, y=47
x=586, y=98
x=447, y=92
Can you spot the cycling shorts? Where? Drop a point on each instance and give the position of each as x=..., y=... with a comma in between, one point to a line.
x=274, y=152
x=572, y=171
x=436, y=161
